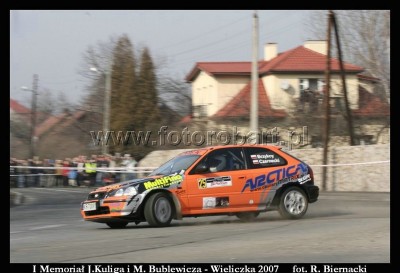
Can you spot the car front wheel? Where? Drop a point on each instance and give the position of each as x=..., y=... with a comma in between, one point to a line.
x=158, y=210
x=293, y=203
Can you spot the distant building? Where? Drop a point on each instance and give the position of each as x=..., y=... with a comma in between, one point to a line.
x=291, y=85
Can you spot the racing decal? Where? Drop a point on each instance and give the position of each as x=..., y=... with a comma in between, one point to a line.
x=215, y=202
x=214, y=182
x=202, y=183
x=304, y=179
x=264, y=159
x=282, y=175
x=163, y=182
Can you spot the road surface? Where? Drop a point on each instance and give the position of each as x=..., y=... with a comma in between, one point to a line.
x=338, y=228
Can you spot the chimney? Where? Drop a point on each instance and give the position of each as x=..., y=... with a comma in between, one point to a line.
x=318, y=46
x=270, y=51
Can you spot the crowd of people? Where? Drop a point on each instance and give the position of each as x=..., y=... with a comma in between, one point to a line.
x=96, y=170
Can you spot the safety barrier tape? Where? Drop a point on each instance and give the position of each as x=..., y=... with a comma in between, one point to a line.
x=84, y=168
x=352, y=164
x=150, y=169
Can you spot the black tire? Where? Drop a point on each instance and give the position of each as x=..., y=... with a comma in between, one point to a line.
x=293, y=203
x=247, y=216
x=158, y=210
x=117, y=224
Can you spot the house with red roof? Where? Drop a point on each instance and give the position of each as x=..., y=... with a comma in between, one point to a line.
x=19, y=111
x=57, y=136
x=290, y=83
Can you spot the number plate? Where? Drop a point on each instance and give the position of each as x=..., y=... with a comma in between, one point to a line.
x=89, y=206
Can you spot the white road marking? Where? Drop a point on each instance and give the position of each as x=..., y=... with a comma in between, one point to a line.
x=46, y=227
x=37, y=228
x=21, y=238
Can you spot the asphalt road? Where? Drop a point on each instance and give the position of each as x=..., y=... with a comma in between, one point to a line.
x=338, y=228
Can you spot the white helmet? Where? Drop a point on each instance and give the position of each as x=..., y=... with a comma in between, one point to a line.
x=219, y=164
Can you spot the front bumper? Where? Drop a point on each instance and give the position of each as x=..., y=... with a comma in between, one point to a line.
x=111, y=208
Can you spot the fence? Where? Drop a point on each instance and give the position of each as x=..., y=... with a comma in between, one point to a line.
x=49, y=177
x=350, y=168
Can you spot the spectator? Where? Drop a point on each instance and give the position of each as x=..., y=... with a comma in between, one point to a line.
x=65, y=171
x=59, y=176
x=80, y=170
x=31, y=173
x=20, y=172
x=13, y=172
x=90, y=169
x=130, y=164
x=73, y=174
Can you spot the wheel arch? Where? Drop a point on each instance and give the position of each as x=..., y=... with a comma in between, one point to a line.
x=177, y=208
x=277, y=197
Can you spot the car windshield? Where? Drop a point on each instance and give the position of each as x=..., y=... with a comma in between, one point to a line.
x=175, y=165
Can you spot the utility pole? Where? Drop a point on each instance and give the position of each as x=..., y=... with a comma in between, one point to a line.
x=254, y=80
x=327, y=102
x=106, y=114
x=33, y=115
x=343, y=76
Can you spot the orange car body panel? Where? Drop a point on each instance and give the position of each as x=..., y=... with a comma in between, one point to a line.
x=222, y=192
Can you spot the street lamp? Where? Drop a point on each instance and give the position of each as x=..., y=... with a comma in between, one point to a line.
x=107, y=98
x=33, y=112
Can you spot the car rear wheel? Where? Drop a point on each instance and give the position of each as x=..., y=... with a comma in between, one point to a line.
x=293, y=203
x=158, y=210
x=117, y=224
x=247, y=216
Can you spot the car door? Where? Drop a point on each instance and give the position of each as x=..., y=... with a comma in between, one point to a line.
x=266, y=169
x=218, y=187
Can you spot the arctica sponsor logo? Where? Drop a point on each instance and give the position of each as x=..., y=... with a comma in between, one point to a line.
x=265, y=180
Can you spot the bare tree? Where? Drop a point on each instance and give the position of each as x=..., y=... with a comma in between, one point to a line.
x=366, y=40
x=46, y=102
x=176, y=94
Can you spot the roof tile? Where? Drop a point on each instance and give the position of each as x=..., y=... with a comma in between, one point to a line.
x=299, y=59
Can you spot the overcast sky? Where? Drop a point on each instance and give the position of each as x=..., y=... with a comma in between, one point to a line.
x=51, y=43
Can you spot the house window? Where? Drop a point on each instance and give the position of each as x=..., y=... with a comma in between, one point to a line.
x=315, y=85
x=311, y=93
x=199, y=111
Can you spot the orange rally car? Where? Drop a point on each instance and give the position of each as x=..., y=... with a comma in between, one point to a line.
x=224, y=180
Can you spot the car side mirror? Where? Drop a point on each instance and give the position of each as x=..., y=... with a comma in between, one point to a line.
x=201, y=168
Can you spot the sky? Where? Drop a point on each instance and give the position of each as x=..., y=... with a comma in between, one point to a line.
x=51, y=43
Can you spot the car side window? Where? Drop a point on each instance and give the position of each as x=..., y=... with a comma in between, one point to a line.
x=263, y=157
x=222, y=160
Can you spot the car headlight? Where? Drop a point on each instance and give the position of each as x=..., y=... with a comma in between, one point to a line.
x=130, y=191
x=119, y=192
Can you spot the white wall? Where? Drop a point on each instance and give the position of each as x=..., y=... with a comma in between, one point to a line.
x=281, y=99
x=204, y=92
x=228, y=88
x=216, y=92
x=361, y=177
